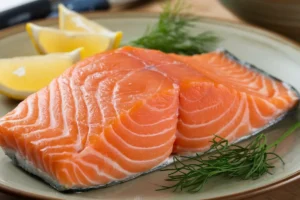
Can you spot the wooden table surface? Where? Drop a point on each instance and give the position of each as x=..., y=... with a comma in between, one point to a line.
x=209, y=8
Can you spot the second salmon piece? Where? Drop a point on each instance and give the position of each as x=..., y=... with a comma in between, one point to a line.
x=219, y=96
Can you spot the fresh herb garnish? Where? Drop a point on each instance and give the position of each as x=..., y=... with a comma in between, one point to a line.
x=171, y=34
x=249, y=162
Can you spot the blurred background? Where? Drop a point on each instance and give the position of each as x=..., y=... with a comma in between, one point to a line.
x=282, y=16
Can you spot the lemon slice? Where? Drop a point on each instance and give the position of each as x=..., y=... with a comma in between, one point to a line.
x=73, y=21
x=51, y=40
x=22, y=76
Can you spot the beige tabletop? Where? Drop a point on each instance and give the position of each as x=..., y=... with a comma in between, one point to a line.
x=209, y=8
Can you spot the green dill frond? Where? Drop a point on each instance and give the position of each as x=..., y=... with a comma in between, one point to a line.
x=171, y=34
x=231, y=161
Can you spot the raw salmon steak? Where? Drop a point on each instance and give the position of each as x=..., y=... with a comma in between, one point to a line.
x=219, y=96
x=105, y=120
x=120, y=114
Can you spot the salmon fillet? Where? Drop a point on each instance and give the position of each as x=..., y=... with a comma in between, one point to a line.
x=95, y=124
x=122, y=113
x=218, y=96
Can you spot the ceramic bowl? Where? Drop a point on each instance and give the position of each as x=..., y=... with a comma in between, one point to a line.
x=282, y=16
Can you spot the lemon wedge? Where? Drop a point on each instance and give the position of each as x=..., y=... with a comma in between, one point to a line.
x=73, y=21
x=22, y=76
x=51, y=40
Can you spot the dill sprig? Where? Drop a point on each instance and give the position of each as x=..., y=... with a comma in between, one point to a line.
x=249, y=162
x=171, y=34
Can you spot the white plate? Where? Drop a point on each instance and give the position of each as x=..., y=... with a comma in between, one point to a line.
x=271, y=53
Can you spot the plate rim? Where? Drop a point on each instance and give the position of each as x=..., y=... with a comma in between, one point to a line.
x=214, y=20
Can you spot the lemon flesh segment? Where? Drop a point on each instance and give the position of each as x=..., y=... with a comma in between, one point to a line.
x=50, y=40
x=73, y=21
x=22, y=76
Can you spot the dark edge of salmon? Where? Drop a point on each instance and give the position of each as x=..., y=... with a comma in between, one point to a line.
x=256, y=69
x=260, y=71
x=28, y=170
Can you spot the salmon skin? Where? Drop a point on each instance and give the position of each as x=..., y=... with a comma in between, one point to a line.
x=286, y=84
x=258, y=70
x=125, y=113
